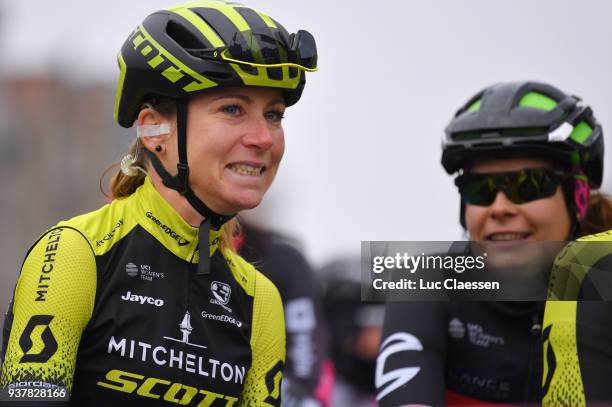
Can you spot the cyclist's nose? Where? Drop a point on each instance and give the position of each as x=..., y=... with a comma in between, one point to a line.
x=259, y=135
x=502, y=206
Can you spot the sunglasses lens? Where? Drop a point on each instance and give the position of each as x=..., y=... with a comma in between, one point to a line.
x=256, y=47
x=536, y=184
x=262, y=46
x=476, y=190
x=306, y=47
x=520, y=186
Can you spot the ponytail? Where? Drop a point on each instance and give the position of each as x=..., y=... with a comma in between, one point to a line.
x=599, y=214
x=123, y=185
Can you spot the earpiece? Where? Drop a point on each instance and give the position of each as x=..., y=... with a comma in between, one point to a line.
x=126, y=165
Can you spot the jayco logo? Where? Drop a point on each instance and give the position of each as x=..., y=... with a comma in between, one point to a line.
x=180, y=239
x=142, y=299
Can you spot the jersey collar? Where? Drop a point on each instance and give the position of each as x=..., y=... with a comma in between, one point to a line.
x=162, y=221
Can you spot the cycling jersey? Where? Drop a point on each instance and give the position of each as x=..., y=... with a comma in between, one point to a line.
x=110, y=305
x=578, y=334
x=282, y=263
x=460, y=353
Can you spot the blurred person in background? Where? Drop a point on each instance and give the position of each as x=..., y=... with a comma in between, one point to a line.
x=144, y=300
x=528, y=157
x=278, y=258
x=354, y=333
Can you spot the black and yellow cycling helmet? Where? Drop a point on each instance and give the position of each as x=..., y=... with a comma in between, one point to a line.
x=192, y=47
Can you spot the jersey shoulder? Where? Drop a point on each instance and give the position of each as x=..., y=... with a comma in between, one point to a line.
x=254, y=282
x=598, y=237
x=586, y=251
x=579, y=265
x=268, y=314
x=105, y=226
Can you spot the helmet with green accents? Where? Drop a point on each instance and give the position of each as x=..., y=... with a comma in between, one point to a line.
x=525, y=119
x=192, y=47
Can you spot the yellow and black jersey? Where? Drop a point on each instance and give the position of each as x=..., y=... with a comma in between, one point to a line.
x=577, y=328
x=109, y=306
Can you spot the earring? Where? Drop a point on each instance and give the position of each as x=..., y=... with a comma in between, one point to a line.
x=158, y=148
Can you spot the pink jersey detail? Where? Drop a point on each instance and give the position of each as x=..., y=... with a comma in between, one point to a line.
x=327, y=381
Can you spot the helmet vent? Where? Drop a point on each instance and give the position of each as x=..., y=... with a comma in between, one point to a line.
x=219, y=76
x=537, y=100
x=183, y=37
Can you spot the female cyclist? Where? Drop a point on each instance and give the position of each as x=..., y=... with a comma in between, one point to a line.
x=527, y=155
x=144, y=302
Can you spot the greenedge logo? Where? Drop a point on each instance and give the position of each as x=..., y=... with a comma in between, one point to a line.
x=180, y=239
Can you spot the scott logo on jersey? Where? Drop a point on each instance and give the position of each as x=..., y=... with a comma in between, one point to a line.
x=29, y=340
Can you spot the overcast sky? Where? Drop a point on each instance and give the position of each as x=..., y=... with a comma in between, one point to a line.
x=362, y=160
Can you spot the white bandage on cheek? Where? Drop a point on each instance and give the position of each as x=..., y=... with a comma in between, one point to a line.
x=151, y=130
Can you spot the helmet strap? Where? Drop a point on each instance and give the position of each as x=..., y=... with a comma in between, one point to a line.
x=180, y=183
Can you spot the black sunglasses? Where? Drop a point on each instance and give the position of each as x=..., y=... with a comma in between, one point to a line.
x=299, y=49
x=521, y=186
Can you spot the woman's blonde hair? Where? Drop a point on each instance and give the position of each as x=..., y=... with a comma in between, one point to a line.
x=122, y=185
